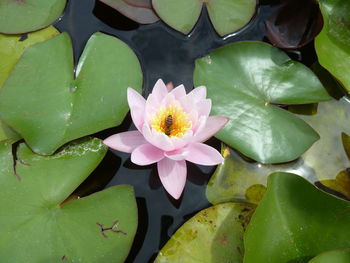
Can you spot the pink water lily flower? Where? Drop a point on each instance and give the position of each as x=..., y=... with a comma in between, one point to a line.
x=171, y=126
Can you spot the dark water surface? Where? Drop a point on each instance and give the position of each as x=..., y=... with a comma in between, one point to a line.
x=167, y=54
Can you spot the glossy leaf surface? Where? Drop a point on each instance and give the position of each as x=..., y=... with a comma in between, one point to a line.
x=245, y=81
x=226, y=16
x=212, y=235
x=33, y=218
x=326, y=161
x=336, y=256
x=295, y=222
x=140, y=11
x=333, y=43
x=54, y=108
x=22, y=16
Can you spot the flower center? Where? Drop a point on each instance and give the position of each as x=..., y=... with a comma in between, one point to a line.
x=172, y=121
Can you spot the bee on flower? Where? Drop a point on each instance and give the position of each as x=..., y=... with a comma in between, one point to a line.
x=171, y=128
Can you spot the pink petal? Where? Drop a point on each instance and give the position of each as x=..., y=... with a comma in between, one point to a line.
x=198, y=94
x=146, y=154
x=182, y=141
x=172, y=174
x=160, y=90
x=169, y=86
x=177, y=155
x=179, y=92
x=203, y=154
x=204, y=107
x=137, y=107
x=160, y=140
x=125, y=141
x=212, y=126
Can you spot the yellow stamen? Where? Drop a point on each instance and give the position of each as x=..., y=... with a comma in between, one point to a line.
x=172, y=121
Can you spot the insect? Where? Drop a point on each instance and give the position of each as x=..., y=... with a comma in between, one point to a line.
x=168, y=124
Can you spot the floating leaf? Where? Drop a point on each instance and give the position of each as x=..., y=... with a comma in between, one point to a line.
x=323, y=161
x=140, y=11
x=333, y=43
x=245, y=81
x=213, y=235
x=226, y=16
x=336, y=256
x=294, y=24
x=21, y=16
x=295, y=222
x=13, y=46
x=97, y=228
x=51, y=108
x=7, y=133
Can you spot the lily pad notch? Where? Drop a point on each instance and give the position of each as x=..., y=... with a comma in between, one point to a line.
x=54, y=107
x=226, y=16
x=247, y=81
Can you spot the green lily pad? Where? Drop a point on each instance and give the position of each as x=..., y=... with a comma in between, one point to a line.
x=246, y=81
x=213, y=235
x=226, y=16
x=7, y=133
x=13, y=46
x=21, y=16
x=97, y=228
x=326, y=161
x=295, y=222
x=333, y=43
x=336, y=256
x=52, y=108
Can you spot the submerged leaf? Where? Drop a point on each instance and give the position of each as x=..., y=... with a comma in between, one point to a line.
x=97, y=228
x=214, y=234
x=294, y=23
x=54, y=108
x=245, y=81
x=295, y=222
x=226, y=16
x=333, y=43
x=322, y=162
x=138, y=10
x=22, y=16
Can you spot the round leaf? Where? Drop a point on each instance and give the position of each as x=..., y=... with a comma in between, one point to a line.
x=245, y=81
x=212, y=235
x=226, y=16
x=337, y=256
x=333, y=43
x=295, y=222
x=52, y=108
x=21, y=16
x=97, y=228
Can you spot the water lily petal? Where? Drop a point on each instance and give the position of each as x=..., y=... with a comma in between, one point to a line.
x=146, y=154
x=160, y=90
x=203, y=154
x=137, y=107
x=179, y=92
x=177, y=155
x=197, y=94
x=172, y=174
x=125, y=141
x=182, y=141
x=203, y=107
x=212, y=125
x=160, y=140
x=170, y=86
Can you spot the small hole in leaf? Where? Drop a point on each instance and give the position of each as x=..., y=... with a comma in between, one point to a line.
x=113, y=18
